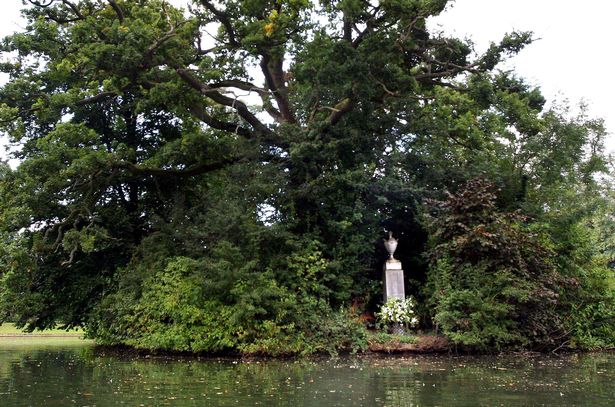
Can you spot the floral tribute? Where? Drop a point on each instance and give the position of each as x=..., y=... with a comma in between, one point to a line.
x=398, y=311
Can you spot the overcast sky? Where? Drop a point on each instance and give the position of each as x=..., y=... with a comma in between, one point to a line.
x=572, y=59
x=573, y=56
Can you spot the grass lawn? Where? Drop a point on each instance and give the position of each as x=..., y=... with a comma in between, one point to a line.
x=8, y=329
x=14, y=338
x=41, y=342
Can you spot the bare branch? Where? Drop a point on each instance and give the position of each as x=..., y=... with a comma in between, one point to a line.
x=384, y=87
x=52, y=14
x=347, y=30
x=240, y=107
x=71, y=257
x=431, y=76
x=96, y=98
x=239, y=84
x=202, y=115
x=118, y=10
x=160, y=41
x=193, y=170
x=264, y=94
x=224, y=19
x=357, y=41
x=75, y=9
x=40, y=3
x=270, y=109
x=371, y=22
x=408, y=29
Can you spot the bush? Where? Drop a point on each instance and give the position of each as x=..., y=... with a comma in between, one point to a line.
x=222, y=303
x=493, y=281
x=592, y=318
x=315, y=329
x=170, y=313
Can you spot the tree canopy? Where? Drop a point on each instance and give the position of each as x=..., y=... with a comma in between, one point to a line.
x=220, y=177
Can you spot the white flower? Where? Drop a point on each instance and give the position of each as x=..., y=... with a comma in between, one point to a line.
x=398, y=311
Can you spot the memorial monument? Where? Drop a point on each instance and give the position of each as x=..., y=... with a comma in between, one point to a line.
x=393, y=274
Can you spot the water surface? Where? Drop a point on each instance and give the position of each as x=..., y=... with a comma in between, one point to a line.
x=74, y=374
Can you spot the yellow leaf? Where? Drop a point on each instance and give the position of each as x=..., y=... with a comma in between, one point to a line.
x=269, y=28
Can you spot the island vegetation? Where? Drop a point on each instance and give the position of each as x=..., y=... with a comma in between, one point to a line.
x=220, y=178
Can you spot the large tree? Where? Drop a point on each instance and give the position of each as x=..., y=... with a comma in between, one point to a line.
x=291, y=129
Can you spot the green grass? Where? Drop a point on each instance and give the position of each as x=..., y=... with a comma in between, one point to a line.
x=385, y=338
x=12, y=337
x=41, y=342
x=10, y=329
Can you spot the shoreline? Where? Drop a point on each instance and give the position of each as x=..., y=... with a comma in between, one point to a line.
x=40, y=336
x=420, y=345
x=423, y=344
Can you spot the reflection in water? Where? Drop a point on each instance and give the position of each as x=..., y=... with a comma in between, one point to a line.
x=77, y=375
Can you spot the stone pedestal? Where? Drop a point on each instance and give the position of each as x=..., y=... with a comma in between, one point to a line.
x=393, y=278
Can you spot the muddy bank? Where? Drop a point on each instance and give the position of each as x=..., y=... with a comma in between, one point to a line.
x=421, y=344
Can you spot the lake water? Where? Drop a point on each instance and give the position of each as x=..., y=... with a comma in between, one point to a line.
x=73, y=374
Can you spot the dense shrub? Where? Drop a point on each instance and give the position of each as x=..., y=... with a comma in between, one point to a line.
x=493, y=283
x=590, y=319
x=224, y=304
x=167, y=312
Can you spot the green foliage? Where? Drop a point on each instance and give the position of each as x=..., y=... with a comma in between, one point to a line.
x=170, y=313
x=499, y=281
x=220, y=303
x=155, y=207
x=384, y=338
x=337, y=332
x=493, y=282
x=592, y=320
x=478, y=315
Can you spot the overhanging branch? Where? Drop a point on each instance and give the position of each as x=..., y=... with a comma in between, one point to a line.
x=190, y=171
x=96, y=98
x=224, y=19
x=340, y=110
x=211, y=93
x=264, y=94
x=212, y=122
x=117, y=9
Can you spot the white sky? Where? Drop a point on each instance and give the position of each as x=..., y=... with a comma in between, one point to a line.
x=573, y=58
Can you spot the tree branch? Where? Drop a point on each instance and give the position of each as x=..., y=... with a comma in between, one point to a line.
x=369, y=27
x=20, y=115
x=159, y=42
x=340, y=110
x=224, y=20
x=240, y=107
x=41, y=4
x=52, y=14
x=382, y=84
x=274, y=79
x=193, y=170
x=96, y=98
x=117, y=9
x=75, y=9
x=212, y=122
x=239, y=84
x=347, y=33
x=249, y=87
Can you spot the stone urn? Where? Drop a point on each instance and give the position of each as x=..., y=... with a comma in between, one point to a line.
x=391, y=245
